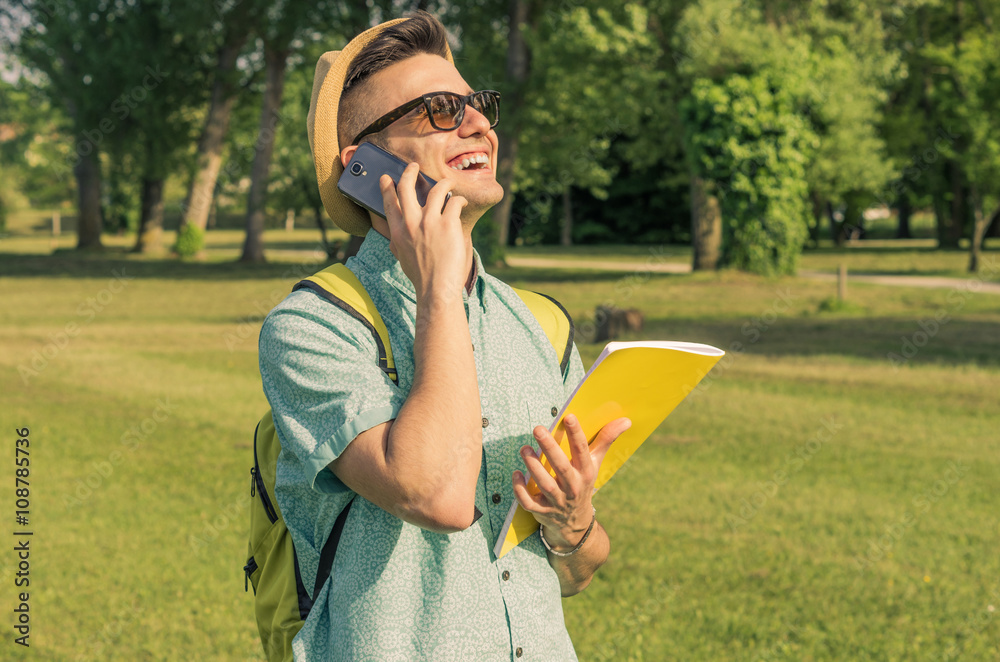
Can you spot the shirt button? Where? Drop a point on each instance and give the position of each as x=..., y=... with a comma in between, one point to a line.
x=486, y=421
x=506, y=575
x=554, y=411
x=496, y=497
x=518, y=652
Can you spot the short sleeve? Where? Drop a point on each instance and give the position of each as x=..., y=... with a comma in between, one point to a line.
x=574, y=372
x=320, y=373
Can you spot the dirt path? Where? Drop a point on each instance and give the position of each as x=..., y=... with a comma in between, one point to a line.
x=600, y=265
x=971, y=284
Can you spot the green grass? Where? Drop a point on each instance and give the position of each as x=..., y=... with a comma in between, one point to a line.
x=140, y=537
x=908, y=257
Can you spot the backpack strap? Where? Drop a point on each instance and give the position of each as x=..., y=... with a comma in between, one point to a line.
x=555, y=322
x=338, y=285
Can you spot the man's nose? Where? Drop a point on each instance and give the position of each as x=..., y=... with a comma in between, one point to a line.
x=474, y=122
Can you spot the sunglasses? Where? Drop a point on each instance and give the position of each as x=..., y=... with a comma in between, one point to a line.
x=446, y=110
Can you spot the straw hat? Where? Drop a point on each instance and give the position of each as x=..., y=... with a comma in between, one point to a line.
x=328, y=83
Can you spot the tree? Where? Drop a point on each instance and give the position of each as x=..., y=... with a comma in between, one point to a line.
x=161, y=89
x=285, y=28
x=33, y=147
x=232, y=30
x=294, y=180
x=522, y=14
x=973, y=68
x=65, y=41
x=745, y=132
x=568, y=123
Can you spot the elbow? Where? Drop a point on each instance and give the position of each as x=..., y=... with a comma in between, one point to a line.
x=442, y=513
x=453, y=520
x=570, y=591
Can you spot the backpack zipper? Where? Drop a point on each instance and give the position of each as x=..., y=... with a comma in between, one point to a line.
x=272, y=514
x=249, y=569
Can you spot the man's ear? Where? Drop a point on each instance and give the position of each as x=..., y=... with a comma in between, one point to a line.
x=347, y=154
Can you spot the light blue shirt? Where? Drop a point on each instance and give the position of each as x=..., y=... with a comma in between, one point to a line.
x=399, y=593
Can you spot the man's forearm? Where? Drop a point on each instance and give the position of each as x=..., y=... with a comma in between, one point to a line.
x=576, y=571
x=435, y=443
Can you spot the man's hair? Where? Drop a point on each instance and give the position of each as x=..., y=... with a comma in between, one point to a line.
x=420, y=34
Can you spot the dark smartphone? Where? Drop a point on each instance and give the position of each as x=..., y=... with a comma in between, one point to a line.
x=360, y=179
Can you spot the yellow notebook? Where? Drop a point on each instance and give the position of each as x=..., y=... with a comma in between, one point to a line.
x=644, y=381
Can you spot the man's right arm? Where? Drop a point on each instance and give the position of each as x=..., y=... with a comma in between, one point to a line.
x=424, y=465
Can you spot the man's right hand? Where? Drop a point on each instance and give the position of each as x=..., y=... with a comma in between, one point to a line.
x=428, y=241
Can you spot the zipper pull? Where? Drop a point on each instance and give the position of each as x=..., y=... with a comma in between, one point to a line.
x=253, y=480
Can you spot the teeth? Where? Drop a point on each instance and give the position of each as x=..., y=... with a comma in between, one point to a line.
x=467, y=161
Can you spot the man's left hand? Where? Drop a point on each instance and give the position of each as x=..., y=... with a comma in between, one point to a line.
x=563, y=504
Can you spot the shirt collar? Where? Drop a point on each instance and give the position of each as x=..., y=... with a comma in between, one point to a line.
x=376, y=257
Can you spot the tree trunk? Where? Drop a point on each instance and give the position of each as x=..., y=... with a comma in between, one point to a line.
x=88, y=186
x=940, y=218
x=904, y=210
x=518, y=60
x=706, y=225
x=953, y=228
x=853, y=225
x=993, y=227
x=275, y=61
x=836, y=227
x=201, y=190
x=149, y=238
x=978, y=231
x=817, y=205
x=566, y=238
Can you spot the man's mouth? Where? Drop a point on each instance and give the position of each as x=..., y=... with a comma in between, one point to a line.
x=470, y=161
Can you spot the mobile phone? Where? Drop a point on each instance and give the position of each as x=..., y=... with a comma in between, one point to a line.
x=360, y=179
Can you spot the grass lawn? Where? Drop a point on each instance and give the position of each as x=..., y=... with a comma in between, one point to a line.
x=814, y=500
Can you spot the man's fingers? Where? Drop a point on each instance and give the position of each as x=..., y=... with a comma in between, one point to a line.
x=553, y=453
x=406, y=191
x=525, y=497
x=390, y=201
x=543, y=479
x=437, y=195
x=608, y=434
x=577, y=440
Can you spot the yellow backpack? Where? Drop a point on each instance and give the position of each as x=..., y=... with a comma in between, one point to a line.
x=281, y=600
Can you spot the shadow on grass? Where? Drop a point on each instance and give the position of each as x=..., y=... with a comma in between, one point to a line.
x=74, y=264
x=913, y=341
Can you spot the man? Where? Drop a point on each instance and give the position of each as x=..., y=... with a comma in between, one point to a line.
x=414, y=577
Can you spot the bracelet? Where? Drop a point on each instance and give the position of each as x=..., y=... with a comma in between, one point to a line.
x=541, y=533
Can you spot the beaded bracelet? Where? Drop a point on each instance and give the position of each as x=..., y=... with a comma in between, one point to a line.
x=541, y=533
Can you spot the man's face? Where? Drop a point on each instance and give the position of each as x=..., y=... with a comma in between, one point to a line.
x=441, y=154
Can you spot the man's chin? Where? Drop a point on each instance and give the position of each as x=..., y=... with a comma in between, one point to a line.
x=486, y=194
x=479, y=205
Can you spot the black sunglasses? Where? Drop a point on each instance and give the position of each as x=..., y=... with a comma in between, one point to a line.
x=446, y=110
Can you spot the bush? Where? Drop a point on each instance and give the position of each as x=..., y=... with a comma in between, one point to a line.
x=745, y=134
x=190, y=241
